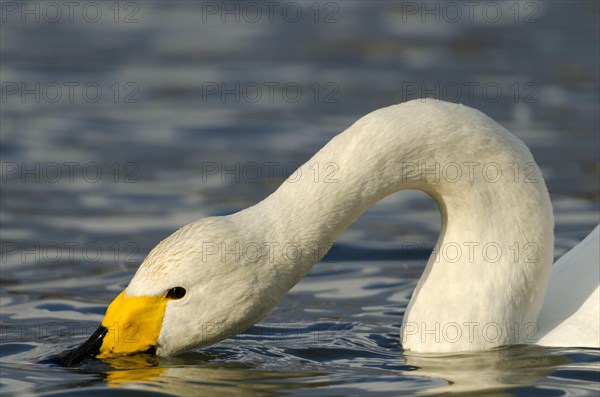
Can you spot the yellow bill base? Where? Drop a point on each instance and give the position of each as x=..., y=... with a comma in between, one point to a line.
x=133, y=323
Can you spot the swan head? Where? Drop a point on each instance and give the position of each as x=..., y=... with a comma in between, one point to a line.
x=195, y=288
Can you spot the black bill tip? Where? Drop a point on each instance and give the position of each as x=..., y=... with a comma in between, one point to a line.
x=88, y=349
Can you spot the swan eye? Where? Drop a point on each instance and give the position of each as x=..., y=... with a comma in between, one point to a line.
x=176, y=293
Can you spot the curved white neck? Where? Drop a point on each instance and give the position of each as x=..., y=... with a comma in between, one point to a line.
x=484, y=283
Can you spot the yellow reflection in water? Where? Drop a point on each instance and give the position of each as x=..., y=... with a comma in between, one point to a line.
x=141, y=372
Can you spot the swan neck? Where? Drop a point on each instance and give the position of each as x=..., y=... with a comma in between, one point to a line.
x=493, y=257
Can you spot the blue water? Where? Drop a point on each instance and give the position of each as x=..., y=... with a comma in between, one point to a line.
x=121, y=122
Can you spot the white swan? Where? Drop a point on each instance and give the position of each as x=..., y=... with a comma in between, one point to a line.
x=484, y=284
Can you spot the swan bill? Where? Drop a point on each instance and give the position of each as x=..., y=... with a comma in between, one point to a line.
x=132, y=324
x=88, y=349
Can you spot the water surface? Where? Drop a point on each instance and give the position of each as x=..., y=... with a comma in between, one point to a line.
x=91, y=183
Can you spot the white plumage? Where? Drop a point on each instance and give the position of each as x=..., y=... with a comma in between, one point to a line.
x=489, y=297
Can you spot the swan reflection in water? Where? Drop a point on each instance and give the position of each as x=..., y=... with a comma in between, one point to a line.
x=176, y=377
x=497, y=370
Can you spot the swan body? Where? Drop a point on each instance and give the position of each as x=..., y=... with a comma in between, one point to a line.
x=236, y=268
x=572, y=304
